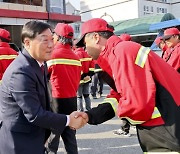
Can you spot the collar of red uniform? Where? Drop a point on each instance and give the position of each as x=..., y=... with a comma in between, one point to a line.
x=177, y=45
x=79, y=50
x=111, y=43
x=60, y=45
x=4, y=44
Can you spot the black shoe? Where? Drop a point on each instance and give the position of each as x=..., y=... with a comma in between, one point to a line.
x=94, y=97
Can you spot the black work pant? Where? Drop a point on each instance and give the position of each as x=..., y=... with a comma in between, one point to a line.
x=157, y=139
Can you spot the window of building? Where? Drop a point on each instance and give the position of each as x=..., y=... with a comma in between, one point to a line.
x=26, y=2
x=151, y=8
x=76, y=29
x=157, y=9
x=144, y=8
x=147, y=8
x=165, y=10
x=165, y=1
x=161, y=10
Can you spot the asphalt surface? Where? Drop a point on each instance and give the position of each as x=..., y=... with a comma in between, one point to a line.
x=100, y=139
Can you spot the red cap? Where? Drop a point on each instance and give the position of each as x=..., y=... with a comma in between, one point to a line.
x=125, y=37
x=5, y=34
x=158, y=40
x=64, y=30
x=170, y=32
x=93, y=25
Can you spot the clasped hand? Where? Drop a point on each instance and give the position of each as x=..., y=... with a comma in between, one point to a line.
x=78, y=120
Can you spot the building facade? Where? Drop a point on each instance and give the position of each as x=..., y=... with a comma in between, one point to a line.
x=15, y=13
x=71, y=10
x=116, y=10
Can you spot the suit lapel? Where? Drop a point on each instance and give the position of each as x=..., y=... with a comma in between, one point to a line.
x=35, y=66
x=46, y=87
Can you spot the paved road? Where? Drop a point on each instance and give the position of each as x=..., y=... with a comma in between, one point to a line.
x=101, y=140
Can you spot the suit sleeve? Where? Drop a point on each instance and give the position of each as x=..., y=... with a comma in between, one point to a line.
x=30, y=100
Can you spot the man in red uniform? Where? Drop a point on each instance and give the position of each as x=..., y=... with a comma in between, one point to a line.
x=86, y=74
x=7, y=54
x=64, y=69
x=147, y=88
x=97, y=82
x=172, y=39
x=163, y=46
x=125, y=37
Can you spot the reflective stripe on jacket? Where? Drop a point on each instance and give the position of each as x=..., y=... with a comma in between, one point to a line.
x=63, y=61
x=65, y=71
x=7, y=55
x=87, y=64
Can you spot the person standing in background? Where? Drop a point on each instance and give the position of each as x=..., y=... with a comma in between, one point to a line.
x=172, y=40
x=7, y=54
x=64, y=70
x=162, y=45
x=125, y=37
x=97, y=82
x=25, y=116
x=86, y=73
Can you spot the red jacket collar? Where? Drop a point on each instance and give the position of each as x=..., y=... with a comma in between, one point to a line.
x=110, y=44
x=60, y=45
x=4, y=44
x=177, y=45
x=103, y=57
x=79, y=50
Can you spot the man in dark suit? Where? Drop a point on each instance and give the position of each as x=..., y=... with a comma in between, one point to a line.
x=24, y=102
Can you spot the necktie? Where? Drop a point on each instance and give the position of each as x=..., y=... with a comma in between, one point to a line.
x=42, y=69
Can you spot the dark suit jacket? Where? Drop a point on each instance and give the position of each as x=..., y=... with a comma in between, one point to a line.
x=24, y=108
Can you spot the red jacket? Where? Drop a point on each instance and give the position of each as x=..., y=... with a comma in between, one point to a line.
x=7, y=55
x=135, y=80
x=173, y=57
x=65, y=71
x=86, y=61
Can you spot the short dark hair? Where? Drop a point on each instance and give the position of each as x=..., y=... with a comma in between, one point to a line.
x=104, y=34
x=33, y=28
x=4, y=40
x=65, y=40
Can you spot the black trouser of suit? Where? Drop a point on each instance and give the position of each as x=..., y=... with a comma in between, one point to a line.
x=64, y=106
x=166, y=137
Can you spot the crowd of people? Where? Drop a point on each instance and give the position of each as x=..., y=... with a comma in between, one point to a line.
x=43, y=87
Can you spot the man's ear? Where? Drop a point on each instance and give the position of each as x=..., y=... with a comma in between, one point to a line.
x=55, y=38
x=96, y=37
x=26, y=43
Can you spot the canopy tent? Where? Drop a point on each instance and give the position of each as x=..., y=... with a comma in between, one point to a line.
x=165, y=24
x=136, y=26
x=145, y=26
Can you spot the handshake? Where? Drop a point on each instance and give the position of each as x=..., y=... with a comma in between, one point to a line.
x=78, y=119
